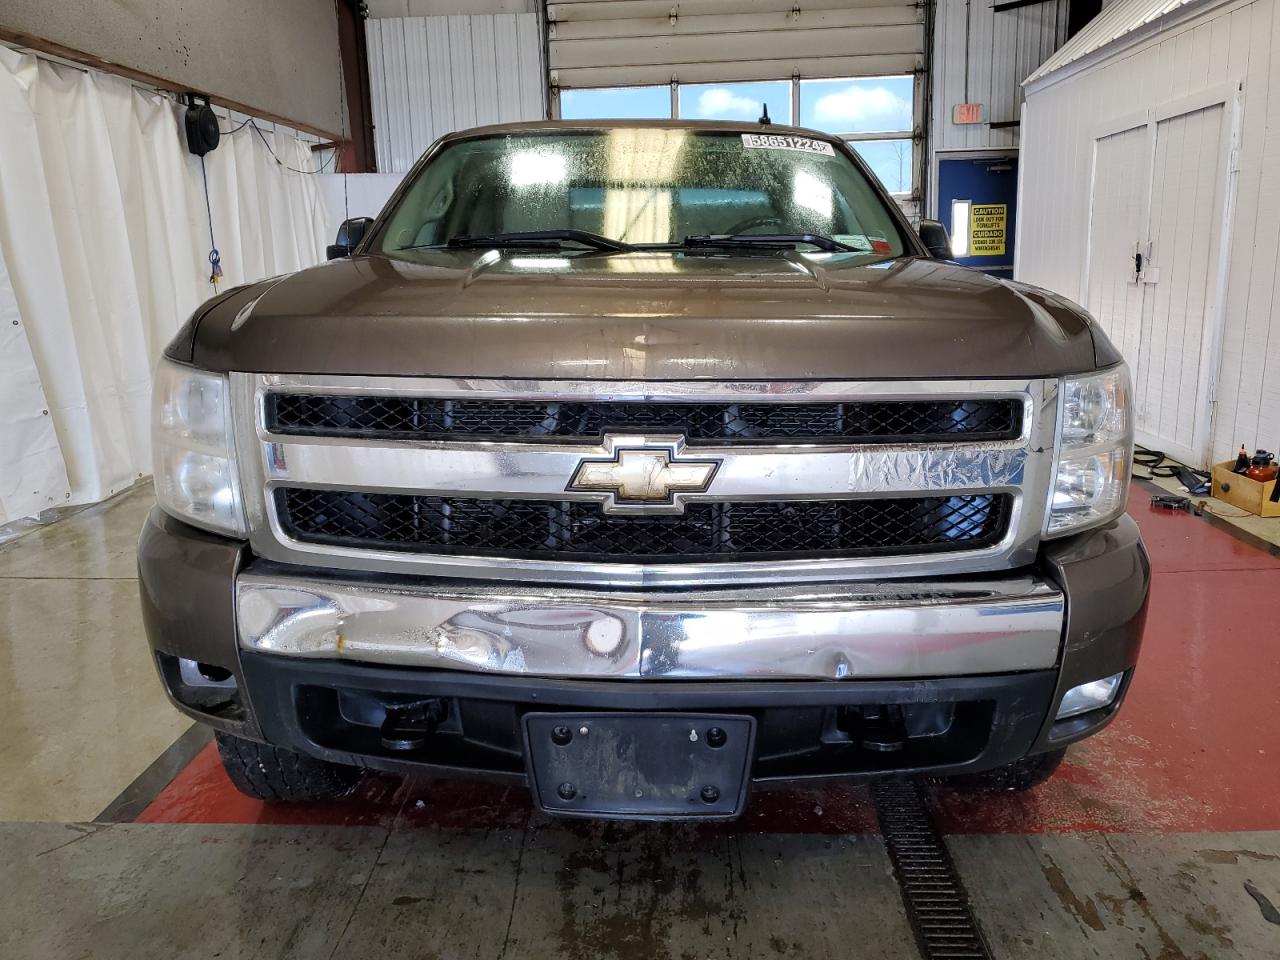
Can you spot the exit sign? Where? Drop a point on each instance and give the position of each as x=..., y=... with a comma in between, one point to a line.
x=966, y=113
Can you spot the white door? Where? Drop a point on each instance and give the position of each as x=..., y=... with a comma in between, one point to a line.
x=1118, y=218
x=1179, y=333
x=1159, y=206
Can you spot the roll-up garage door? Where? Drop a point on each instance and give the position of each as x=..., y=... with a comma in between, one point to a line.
x=616, y=43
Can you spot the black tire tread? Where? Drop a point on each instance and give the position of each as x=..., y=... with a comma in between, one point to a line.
x=276, y=775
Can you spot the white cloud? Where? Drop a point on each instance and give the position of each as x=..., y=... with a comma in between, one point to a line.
x=722, y=102
x=857, y=109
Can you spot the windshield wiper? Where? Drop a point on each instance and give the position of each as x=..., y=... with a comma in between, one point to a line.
x=778, y=240
x=540, y=238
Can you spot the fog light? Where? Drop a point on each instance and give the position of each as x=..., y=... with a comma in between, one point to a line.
x=197, y=674
x=1089, y=696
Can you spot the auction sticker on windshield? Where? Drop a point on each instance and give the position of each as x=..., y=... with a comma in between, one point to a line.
x=778, y=141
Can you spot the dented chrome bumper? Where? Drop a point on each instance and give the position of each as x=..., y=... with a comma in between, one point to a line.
x=899, y=630
x=278, y=635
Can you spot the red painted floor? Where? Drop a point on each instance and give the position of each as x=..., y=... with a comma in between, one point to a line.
x=1183, y=755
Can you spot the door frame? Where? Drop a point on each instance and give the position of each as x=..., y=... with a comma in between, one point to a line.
x=973, y=153
x=1230, y=95
x=963, y=153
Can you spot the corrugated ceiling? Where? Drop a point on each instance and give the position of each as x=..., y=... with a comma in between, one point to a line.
x=1115, y=21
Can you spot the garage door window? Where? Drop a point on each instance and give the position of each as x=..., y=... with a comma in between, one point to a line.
x=735, y=101
x=875, y=114
x=890, y=160
x=616, y=103
x=858, y=106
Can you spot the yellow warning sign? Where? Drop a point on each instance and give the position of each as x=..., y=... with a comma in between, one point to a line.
x=987, y=223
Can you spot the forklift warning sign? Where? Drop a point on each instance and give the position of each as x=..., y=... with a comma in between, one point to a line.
x=986, y=229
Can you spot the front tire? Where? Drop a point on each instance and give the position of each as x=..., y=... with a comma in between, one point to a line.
x=276, y=775
x=1016, y=777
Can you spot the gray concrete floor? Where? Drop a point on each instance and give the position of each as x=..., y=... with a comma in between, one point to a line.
x=1157, y=896
x=142, y=891
x=81, y=715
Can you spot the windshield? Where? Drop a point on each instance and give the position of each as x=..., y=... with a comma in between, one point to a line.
x=645, y=186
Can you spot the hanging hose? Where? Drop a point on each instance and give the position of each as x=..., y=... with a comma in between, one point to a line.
x=215, y=258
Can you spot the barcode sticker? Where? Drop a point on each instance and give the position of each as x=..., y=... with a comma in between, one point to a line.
x=778, y=141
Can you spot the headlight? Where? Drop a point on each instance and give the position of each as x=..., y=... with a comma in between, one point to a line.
x=192, y=451
x=1091, y=476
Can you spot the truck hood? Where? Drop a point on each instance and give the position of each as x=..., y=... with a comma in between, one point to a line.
x=648, y=315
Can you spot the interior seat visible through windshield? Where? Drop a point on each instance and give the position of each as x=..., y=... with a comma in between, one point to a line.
x=642, y=186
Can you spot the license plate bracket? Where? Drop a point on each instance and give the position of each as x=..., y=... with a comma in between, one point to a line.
x=639, y=766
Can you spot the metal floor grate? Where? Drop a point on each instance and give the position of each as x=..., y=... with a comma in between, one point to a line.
x=936, y=902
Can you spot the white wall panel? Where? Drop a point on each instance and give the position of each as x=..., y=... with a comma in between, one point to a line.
x=1004, y=48
x=432, y=75
x=1229, y=43
x=377, y=87
x=440, y=8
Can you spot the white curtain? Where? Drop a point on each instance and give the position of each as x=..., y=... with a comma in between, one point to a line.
x=104, y=246
x=355, y=195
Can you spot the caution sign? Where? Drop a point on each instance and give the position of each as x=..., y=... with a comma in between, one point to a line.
x=987, y=223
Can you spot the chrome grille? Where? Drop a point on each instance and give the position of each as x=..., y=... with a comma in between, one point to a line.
x=790, y=501
x=445, y=418
x=543, y=529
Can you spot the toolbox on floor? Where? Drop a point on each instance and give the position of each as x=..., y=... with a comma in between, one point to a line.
x=1244, y=492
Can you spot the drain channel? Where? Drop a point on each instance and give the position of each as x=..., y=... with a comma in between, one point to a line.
x=936, y=902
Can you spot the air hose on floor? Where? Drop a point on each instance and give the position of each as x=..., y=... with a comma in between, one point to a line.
x=1158, y=465
x=1197, y=482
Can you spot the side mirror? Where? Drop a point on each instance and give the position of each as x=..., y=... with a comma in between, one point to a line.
x=349, y=236
x=935, y=239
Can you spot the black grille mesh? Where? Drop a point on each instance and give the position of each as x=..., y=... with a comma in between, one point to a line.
x=541, y=529
x=864, y=421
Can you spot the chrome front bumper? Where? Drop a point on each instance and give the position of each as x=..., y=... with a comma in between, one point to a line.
x=897, y=630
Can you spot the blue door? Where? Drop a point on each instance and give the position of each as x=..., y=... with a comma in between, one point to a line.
x=977, y=201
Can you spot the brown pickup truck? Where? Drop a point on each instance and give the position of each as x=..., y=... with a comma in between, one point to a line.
x=643, y=463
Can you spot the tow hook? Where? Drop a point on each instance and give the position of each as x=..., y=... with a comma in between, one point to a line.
x=879, y=728
x=883, y=729
x=407, y=726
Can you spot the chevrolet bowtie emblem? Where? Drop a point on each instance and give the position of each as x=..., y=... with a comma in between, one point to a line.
x=646, y=477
